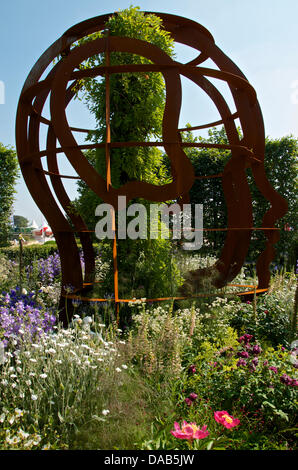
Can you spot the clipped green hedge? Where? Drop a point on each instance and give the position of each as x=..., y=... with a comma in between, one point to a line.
x=30, y=252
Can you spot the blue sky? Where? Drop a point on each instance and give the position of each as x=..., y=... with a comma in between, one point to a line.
x=260, y=36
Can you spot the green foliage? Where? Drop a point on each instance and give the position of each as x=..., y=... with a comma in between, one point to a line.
x=209, y=191
x=136, y=111
x=271, y=321
x=9, y=273
x=136, y=101
x=146, y=270
x=30, y=252
x=55, y=393
x=281, y=170
x=253, y=385
x=8, y=176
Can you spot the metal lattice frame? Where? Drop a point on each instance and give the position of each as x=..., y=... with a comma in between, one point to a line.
x=59, y=86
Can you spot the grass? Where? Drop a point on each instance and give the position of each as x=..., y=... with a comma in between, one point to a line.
x=134, y=406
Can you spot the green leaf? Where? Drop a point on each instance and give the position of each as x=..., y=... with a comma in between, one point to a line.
x=210, y=445
x=282, y=414
x=61, y=419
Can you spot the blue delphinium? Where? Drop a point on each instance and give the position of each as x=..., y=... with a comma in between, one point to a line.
x=21, y=317
x=49, y=268
x=18, y=295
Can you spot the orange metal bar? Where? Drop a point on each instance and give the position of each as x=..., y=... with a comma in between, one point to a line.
x=108, y=123
x=205, y=126
x=161, y=299
x=246, y=151
x=108, y=172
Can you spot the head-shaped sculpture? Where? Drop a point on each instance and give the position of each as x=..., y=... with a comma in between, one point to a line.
x=246, y=151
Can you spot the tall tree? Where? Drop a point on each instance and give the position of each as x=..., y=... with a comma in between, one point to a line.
x=137, y=102
x=136, y=106
x=9, y=171
x=209, y=191
x=281, y=164
x=20, y=222
x=281, y=169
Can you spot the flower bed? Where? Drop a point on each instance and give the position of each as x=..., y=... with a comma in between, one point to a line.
x=215, y=374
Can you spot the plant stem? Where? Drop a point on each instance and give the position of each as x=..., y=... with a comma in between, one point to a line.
x=294, y=318
x=21, y=260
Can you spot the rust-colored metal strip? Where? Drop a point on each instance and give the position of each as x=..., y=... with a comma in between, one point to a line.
x=245, y=151
x=163, y=299
x=51, y=173
x=108, y=170
x=205, y=126
x=236, y=80
x=108, y=111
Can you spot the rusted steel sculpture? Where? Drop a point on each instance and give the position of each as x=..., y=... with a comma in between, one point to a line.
x=59, y=87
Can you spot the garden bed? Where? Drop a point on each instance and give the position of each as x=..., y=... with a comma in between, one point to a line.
x=214, y=373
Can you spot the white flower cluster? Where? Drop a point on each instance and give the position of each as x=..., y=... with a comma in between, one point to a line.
x=137, y=302
x=101, y=268
x=15, y=436
x=188, y=321
x=50, y=294
x=38, y=375
x=8, y=269
x=196, y=261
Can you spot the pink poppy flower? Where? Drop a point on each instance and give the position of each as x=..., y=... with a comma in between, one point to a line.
x=225, y=419
x=189, y=431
